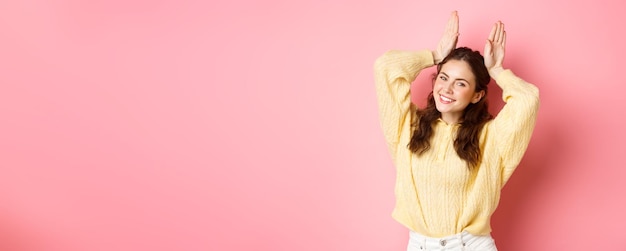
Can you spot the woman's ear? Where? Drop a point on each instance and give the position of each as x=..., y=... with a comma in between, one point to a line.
x=478, y=96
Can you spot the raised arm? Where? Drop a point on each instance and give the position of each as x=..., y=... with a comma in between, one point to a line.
x=394, y=73
x=516, y=121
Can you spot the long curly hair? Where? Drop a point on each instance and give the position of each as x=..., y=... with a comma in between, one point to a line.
x=474, y=117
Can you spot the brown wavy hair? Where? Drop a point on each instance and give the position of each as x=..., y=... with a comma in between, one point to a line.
x=474, y=117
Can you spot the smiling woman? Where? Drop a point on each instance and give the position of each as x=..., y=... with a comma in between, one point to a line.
x=457, y=95
x=453, y=157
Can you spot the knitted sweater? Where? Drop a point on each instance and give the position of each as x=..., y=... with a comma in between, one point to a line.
x=436, y=193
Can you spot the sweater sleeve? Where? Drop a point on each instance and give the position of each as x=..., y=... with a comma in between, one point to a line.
x=394, y=73
x=515, y=123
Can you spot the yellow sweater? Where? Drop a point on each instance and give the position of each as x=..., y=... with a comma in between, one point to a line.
x=436, y=194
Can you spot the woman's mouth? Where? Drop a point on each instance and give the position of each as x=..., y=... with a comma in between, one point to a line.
x=445, y=100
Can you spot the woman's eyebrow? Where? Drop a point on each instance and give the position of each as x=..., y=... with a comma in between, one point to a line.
x=455, y=78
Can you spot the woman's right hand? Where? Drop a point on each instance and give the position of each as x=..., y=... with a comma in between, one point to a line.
x=447, y=43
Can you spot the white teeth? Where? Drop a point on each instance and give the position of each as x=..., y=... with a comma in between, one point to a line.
x=445, y=99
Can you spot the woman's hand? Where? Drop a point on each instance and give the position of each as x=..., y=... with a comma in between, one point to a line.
x=447, y=43
x=494, y=50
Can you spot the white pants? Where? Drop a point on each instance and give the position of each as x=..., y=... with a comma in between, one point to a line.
x=458, y=242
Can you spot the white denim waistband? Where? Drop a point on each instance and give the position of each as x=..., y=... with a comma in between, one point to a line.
x=459, y=242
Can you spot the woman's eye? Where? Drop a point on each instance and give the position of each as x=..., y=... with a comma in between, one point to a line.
x=460, y=84
x=443, y=78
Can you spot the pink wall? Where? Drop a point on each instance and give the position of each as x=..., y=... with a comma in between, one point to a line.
x=253, y=125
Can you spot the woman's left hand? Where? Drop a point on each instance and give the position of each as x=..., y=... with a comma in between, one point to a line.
x=494, y=49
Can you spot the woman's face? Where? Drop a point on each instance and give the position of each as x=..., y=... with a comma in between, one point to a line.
x=454, y=89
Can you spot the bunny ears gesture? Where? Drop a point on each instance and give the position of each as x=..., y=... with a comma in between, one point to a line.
x=494, y=46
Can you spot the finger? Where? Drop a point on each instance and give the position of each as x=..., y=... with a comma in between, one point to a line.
x=502, y=33
x=453, y=23
x=492, y=34
x=498, y=34
x=503, y=38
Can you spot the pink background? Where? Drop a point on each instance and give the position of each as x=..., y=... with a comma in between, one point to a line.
x=253, y=125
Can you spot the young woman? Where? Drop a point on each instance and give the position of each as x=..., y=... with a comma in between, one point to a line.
x=453, y=157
